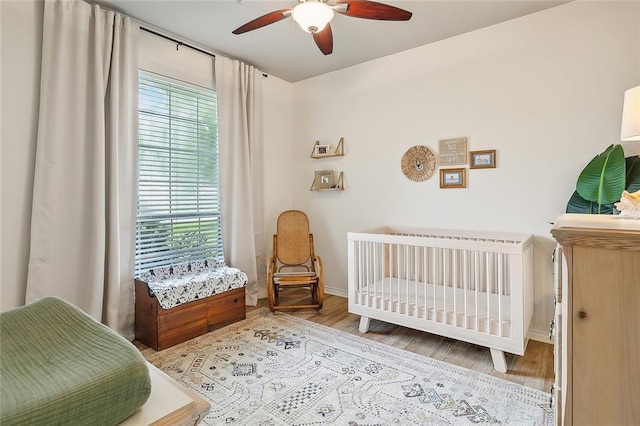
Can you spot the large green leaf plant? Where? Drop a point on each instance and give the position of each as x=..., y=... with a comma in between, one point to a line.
x=602, y=181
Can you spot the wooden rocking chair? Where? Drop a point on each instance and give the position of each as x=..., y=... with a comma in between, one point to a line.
x=293, y=263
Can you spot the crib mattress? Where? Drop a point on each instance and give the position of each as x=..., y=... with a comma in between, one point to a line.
x=481, y=311
x=60, y=366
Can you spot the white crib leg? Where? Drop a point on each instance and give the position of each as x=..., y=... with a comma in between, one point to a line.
x=364, y=324
x=499, y=362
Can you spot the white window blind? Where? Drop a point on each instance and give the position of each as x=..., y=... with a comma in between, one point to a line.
x=178, y=217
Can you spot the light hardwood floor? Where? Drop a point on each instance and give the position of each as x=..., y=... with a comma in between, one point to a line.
x=534, y=369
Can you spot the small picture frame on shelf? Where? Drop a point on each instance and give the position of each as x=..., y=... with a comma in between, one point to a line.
x=453, y=178
x=325, y=179
x=321, y=150
x=482, y=159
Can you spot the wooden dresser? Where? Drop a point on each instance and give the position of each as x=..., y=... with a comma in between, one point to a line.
x=597, y=320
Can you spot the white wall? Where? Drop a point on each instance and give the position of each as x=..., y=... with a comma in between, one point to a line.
x=544, y=90
x=21, y=44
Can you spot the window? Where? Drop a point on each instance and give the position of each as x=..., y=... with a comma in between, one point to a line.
x=178, y=218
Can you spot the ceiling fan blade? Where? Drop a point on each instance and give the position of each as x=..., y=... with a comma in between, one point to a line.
x=260, y=22
x=324, y=40
x=373, y=10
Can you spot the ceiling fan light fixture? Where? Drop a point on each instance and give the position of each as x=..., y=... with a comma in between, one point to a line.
x=312, y=15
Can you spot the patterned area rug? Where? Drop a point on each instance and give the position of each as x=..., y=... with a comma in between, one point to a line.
x=277, y=369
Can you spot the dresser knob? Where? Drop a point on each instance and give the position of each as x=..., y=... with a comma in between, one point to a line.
x=582, y=314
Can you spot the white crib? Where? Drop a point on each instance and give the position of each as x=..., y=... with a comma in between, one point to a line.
x=467, y=285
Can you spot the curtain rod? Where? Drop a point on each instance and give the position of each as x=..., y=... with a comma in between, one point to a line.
x=178, y=42
x=181, y=43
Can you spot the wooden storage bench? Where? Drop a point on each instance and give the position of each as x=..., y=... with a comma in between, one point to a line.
x=159, y=327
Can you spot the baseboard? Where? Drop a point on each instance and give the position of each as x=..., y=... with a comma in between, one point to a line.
x=540, y=336
x=336, y=291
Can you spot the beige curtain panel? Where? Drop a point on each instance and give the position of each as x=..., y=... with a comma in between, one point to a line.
x=239, y=90
x=83, y=220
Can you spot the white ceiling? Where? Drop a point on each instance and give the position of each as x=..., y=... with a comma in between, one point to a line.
x=282, y=49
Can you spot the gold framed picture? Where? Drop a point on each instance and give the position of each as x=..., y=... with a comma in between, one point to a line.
x=482, y=159
x=453, y=178
x=324, y=179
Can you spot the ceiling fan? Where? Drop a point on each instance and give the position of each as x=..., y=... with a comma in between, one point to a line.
x=314, y=16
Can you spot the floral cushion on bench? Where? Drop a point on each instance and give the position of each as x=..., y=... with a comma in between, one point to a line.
x=186, y=282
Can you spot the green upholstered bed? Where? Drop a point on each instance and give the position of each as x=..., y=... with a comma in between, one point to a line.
x=60, y=366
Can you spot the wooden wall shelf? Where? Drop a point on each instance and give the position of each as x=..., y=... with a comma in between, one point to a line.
x=338, y=152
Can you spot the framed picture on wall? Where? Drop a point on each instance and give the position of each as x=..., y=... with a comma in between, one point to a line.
x=453, y=178
x=320, y=150
x=452, y=151
x=483, y=159
x=324, y=179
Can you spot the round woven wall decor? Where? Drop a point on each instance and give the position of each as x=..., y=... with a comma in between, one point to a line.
x=418, y=163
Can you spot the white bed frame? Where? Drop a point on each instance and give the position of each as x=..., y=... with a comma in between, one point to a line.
x=471, y=286
x=170, y=404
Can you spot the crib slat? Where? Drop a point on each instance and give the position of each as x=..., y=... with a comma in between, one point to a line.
x=488, y=266
x=397, y=274
x=444, y=284
x=368, y=270
x=405, y=274
x=382, y=274
x=386, y=274
x=425, y=279
x=356, y=270
x=416, y=254
x=363, y=276
x=434, y=280
x=500, y=287
x=477, y=285
x=454, y=286
x=466, y=286
x=378, y=275
x=363, y=273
